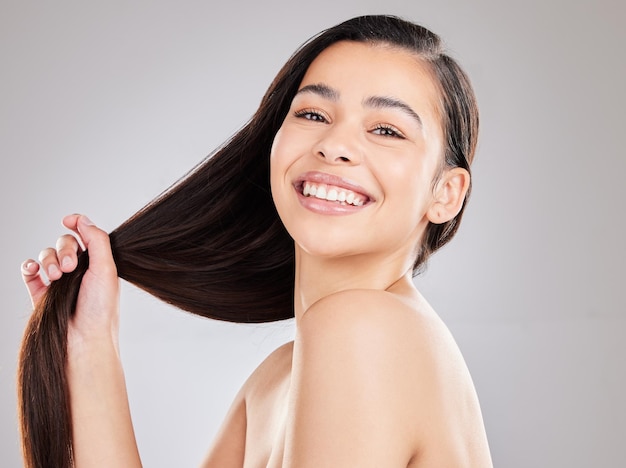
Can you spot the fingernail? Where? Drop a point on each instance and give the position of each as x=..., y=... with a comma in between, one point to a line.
x=86, y=220
x=53, y=270
x=27, y=266
x=66, y=262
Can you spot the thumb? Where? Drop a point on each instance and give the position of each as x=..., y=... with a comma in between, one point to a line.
x=96, y=241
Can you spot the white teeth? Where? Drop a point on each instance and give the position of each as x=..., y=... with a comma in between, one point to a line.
x=331, y=194
x=321, y=193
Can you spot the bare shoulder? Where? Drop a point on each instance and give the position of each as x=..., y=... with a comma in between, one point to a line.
x=407, y=326
x=251, y=414
x=270, y=372
x=370, y=305
x=395, y=353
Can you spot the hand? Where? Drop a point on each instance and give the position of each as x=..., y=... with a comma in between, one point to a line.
x=97, y=308
x=96, y=390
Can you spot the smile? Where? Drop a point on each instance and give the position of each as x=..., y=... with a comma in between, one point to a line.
x=329, y=194
x=333, y=194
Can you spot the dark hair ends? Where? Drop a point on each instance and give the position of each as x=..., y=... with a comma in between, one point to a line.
x=213, y=244
x=43, y=403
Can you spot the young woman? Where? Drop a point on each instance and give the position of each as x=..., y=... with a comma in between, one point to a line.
x=352, y=172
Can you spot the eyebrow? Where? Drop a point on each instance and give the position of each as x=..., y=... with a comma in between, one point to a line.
x=383, y=102
x=376, y=102
x=321, y=90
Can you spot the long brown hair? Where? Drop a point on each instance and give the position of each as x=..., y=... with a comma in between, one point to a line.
x=213, y=243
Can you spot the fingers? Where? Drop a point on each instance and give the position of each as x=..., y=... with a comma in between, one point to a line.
x=95, y=240
x=53, y=262
x=67, y=249
x=33, y=280
x=61, y=259
x=50, y=263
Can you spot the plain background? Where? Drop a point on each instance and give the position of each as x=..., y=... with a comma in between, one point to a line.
x=104, y=104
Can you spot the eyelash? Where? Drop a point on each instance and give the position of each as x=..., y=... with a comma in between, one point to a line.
x=391, y=132
x=310, y=114
x=315, y=116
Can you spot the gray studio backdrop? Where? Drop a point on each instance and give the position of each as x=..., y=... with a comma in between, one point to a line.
x=104, y=104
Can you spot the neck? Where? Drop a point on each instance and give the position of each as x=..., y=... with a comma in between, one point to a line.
x=318, y=277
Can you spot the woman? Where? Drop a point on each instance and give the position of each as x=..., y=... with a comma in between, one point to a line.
x=352, y=172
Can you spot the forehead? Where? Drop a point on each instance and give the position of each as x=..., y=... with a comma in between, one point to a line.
x=354, y=68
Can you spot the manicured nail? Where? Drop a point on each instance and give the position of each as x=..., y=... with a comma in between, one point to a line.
x=66, y=262
x=86, y=220
x=53, y=270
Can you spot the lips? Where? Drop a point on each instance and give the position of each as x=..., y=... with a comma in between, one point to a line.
x=332, y=193
x=328, y=193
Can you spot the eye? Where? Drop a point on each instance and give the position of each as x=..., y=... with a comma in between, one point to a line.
x=311, y=114
x=388, y=131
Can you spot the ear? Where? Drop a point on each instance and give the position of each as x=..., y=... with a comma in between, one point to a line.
x=449, y=195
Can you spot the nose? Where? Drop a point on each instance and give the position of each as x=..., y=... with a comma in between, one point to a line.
x=340, y=145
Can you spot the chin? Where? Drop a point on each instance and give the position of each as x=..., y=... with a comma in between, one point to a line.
x=325, y=245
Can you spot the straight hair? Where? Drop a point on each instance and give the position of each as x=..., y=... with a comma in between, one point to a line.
x=213, y=244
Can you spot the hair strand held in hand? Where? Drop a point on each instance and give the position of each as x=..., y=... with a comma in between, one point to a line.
x=213, y=243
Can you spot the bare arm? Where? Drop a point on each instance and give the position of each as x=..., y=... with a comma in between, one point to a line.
x=102, y=431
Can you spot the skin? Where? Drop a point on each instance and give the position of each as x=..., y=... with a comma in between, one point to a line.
x=373, y=377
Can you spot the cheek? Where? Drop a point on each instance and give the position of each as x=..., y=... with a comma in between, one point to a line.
x=399, y=175
x=275, y=158
x=281, y=153
x=279, y=165
x=287, y=149
x=407, y=184
x=275, y=146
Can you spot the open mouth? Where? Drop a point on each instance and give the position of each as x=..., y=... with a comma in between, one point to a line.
x=331, y=193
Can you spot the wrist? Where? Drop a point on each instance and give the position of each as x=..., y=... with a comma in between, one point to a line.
x=82, y=346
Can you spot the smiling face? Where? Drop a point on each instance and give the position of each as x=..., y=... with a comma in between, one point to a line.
x=353, y=164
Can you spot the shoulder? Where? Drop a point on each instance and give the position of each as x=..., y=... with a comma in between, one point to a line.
x=269, y=373
x=405, y=330
x=245, y=431
x=365, y=333
x=383, y=359
x=357, y=307
x=376, y=319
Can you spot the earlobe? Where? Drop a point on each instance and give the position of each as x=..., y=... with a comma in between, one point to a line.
x=449, y=195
